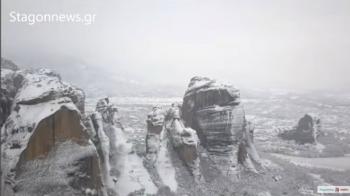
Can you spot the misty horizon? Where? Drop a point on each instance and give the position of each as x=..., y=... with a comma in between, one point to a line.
x=175, y=97
x=290, y=45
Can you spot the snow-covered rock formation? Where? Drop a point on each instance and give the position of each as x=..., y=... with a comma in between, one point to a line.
x=167, y=140
x=158, y=157
x=214, y=111
x=167, y=125
x=10, y=82
x=155, y=124
x=45, y=148
x=102, y=125
x=307, y=130
x=123, y=169
x=183, y=139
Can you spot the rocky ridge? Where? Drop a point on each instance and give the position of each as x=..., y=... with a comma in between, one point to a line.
x=45, y=147
x=204, y=146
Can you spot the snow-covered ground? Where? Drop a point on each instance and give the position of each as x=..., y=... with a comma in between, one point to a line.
x=164, y=166
x=334, y=163
x=134, y=175
x=269, y=114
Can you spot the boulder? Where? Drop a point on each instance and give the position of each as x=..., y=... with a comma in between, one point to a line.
x=306, y=131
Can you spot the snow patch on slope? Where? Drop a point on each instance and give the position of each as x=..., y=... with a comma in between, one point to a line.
x=164, y=166
x=133, y=175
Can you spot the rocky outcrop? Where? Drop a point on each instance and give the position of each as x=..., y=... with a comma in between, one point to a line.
x=44, y=85
x=123, y=169
x=247, y=154
x=158, y=160
x=11, y=81
x=214, y=110
x=183, y=139
x=5, y=106
x=105, y=126
x=306, y=131
x=45, y=146
x=7, y=64
x=155, y=124
x=169, y=141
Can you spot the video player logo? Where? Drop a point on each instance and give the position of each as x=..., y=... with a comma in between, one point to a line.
x=333, y=189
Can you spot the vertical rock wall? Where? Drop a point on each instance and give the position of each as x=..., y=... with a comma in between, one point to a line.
x=214, y=110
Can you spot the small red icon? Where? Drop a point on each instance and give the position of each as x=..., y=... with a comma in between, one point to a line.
x=337, y=189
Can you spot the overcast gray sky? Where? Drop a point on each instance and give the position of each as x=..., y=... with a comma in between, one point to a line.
x=262, y=43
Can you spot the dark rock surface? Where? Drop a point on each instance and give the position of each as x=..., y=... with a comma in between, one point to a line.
x=307, y=130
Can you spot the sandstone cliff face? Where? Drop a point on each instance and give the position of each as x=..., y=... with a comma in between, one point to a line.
x=214, y=110
x=45, y=147
x=307, y=130
x=61, y=126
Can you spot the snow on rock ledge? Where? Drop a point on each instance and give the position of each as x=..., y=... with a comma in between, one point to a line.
x=43, y=140
x=44, y=85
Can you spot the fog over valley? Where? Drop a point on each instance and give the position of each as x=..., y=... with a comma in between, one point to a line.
x=175, y=97
x=300, y=45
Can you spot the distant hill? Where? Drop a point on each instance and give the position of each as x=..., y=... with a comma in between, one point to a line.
x=98, y=82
